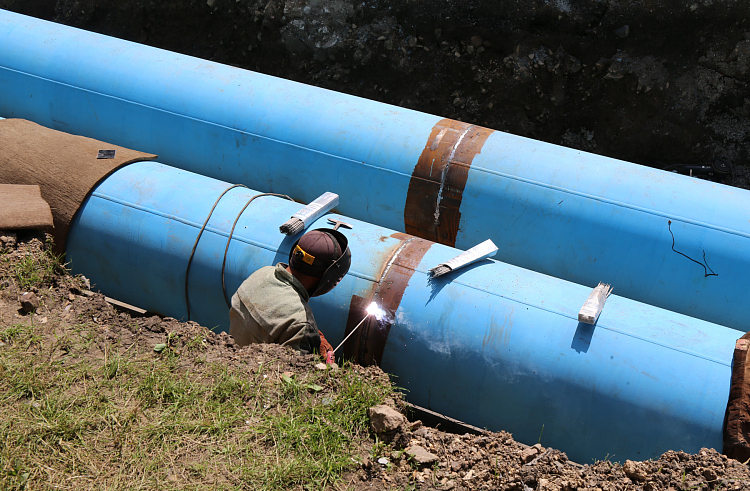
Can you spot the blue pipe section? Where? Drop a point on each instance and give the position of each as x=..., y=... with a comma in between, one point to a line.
x=569, y=214
x=494, y=345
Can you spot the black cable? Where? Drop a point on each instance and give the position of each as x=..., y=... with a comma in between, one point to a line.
x=195, y=246
x=224, y=262
x=706, y=267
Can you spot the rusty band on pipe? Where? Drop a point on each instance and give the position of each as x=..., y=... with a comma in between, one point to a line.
x=366, y=346
x=436, y=188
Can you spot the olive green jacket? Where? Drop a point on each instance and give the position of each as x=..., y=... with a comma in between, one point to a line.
x=271, y=307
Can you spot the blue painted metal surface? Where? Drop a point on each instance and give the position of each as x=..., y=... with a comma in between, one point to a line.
x=494, y=345
x=569, y=214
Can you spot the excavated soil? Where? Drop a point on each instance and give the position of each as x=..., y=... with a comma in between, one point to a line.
x=473, y=460
x=657, y=82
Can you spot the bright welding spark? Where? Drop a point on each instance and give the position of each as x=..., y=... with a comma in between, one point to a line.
x=376, y=311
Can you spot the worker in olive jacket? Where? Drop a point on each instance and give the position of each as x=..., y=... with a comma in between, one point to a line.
x=271, y=304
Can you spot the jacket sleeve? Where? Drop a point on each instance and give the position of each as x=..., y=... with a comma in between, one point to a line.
x=306, y=340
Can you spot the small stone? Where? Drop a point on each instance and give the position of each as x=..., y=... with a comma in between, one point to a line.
x=420, y=455
x=633, y=471
x=423, y=432
x=455, y=466
x=710, y=474
x=622, y=32
x=385, y=419
x=43, y=320
x=388, y=44
x=71, y=297
x=320, y=366
x=613, y=74
x=211, y=3
x=470, y=50
x=449, y=485
x=528, y=454
x=476, y=41
x=29, y=302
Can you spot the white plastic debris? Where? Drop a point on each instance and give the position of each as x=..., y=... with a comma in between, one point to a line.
x=478, y=252
x=593, y=305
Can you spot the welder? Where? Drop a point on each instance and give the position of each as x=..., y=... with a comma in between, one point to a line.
x=271, y=305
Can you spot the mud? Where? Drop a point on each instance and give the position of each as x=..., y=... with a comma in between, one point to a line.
x=659, y=83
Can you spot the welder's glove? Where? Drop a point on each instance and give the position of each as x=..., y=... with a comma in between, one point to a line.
x=326, y=350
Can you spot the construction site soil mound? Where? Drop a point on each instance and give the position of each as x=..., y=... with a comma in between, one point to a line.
x=659, y=83
x=137, y=369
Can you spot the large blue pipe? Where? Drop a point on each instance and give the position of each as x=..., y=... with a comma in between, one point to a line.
x=494, y=345
x=569, y=214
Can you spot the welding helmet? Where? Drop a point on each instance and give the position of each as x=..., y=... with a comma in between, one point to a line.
x=322, y=253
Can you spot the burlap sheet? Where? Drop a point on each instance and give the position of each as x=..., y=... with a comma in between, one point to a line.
x=64, y=166
x=23, y=207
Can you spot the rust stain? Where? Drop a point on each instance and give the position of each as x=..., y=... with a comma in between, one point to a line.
x=436, y=188
x=366, y=346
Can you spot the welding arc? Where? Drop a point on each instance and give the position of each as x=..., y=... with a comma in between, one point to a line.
x=348, y=335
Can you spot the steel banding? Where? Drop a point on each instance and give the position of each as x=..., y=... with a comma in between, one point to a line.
x=367, y=345
x=436, y=188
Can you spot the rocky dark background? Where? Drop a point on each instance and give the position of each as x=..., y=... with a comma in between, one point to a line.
x=656, y=82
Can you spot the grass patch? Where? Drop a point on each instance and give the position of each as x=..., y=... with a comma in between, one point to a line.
x=83, y=418
x=36, y=269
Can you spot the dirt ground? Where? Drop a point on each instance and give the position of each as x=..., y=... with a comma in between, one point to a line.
x=413, y=456
x=656, y=82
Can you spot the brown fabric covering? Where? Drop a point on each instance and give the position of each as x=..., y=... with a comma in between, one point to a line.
x=23, y=207
x=63, y=165
x=737, y=418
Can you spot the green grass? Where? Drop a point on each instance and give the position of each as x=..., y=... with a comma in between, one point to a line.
x=115, y=418
x=38, y=269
